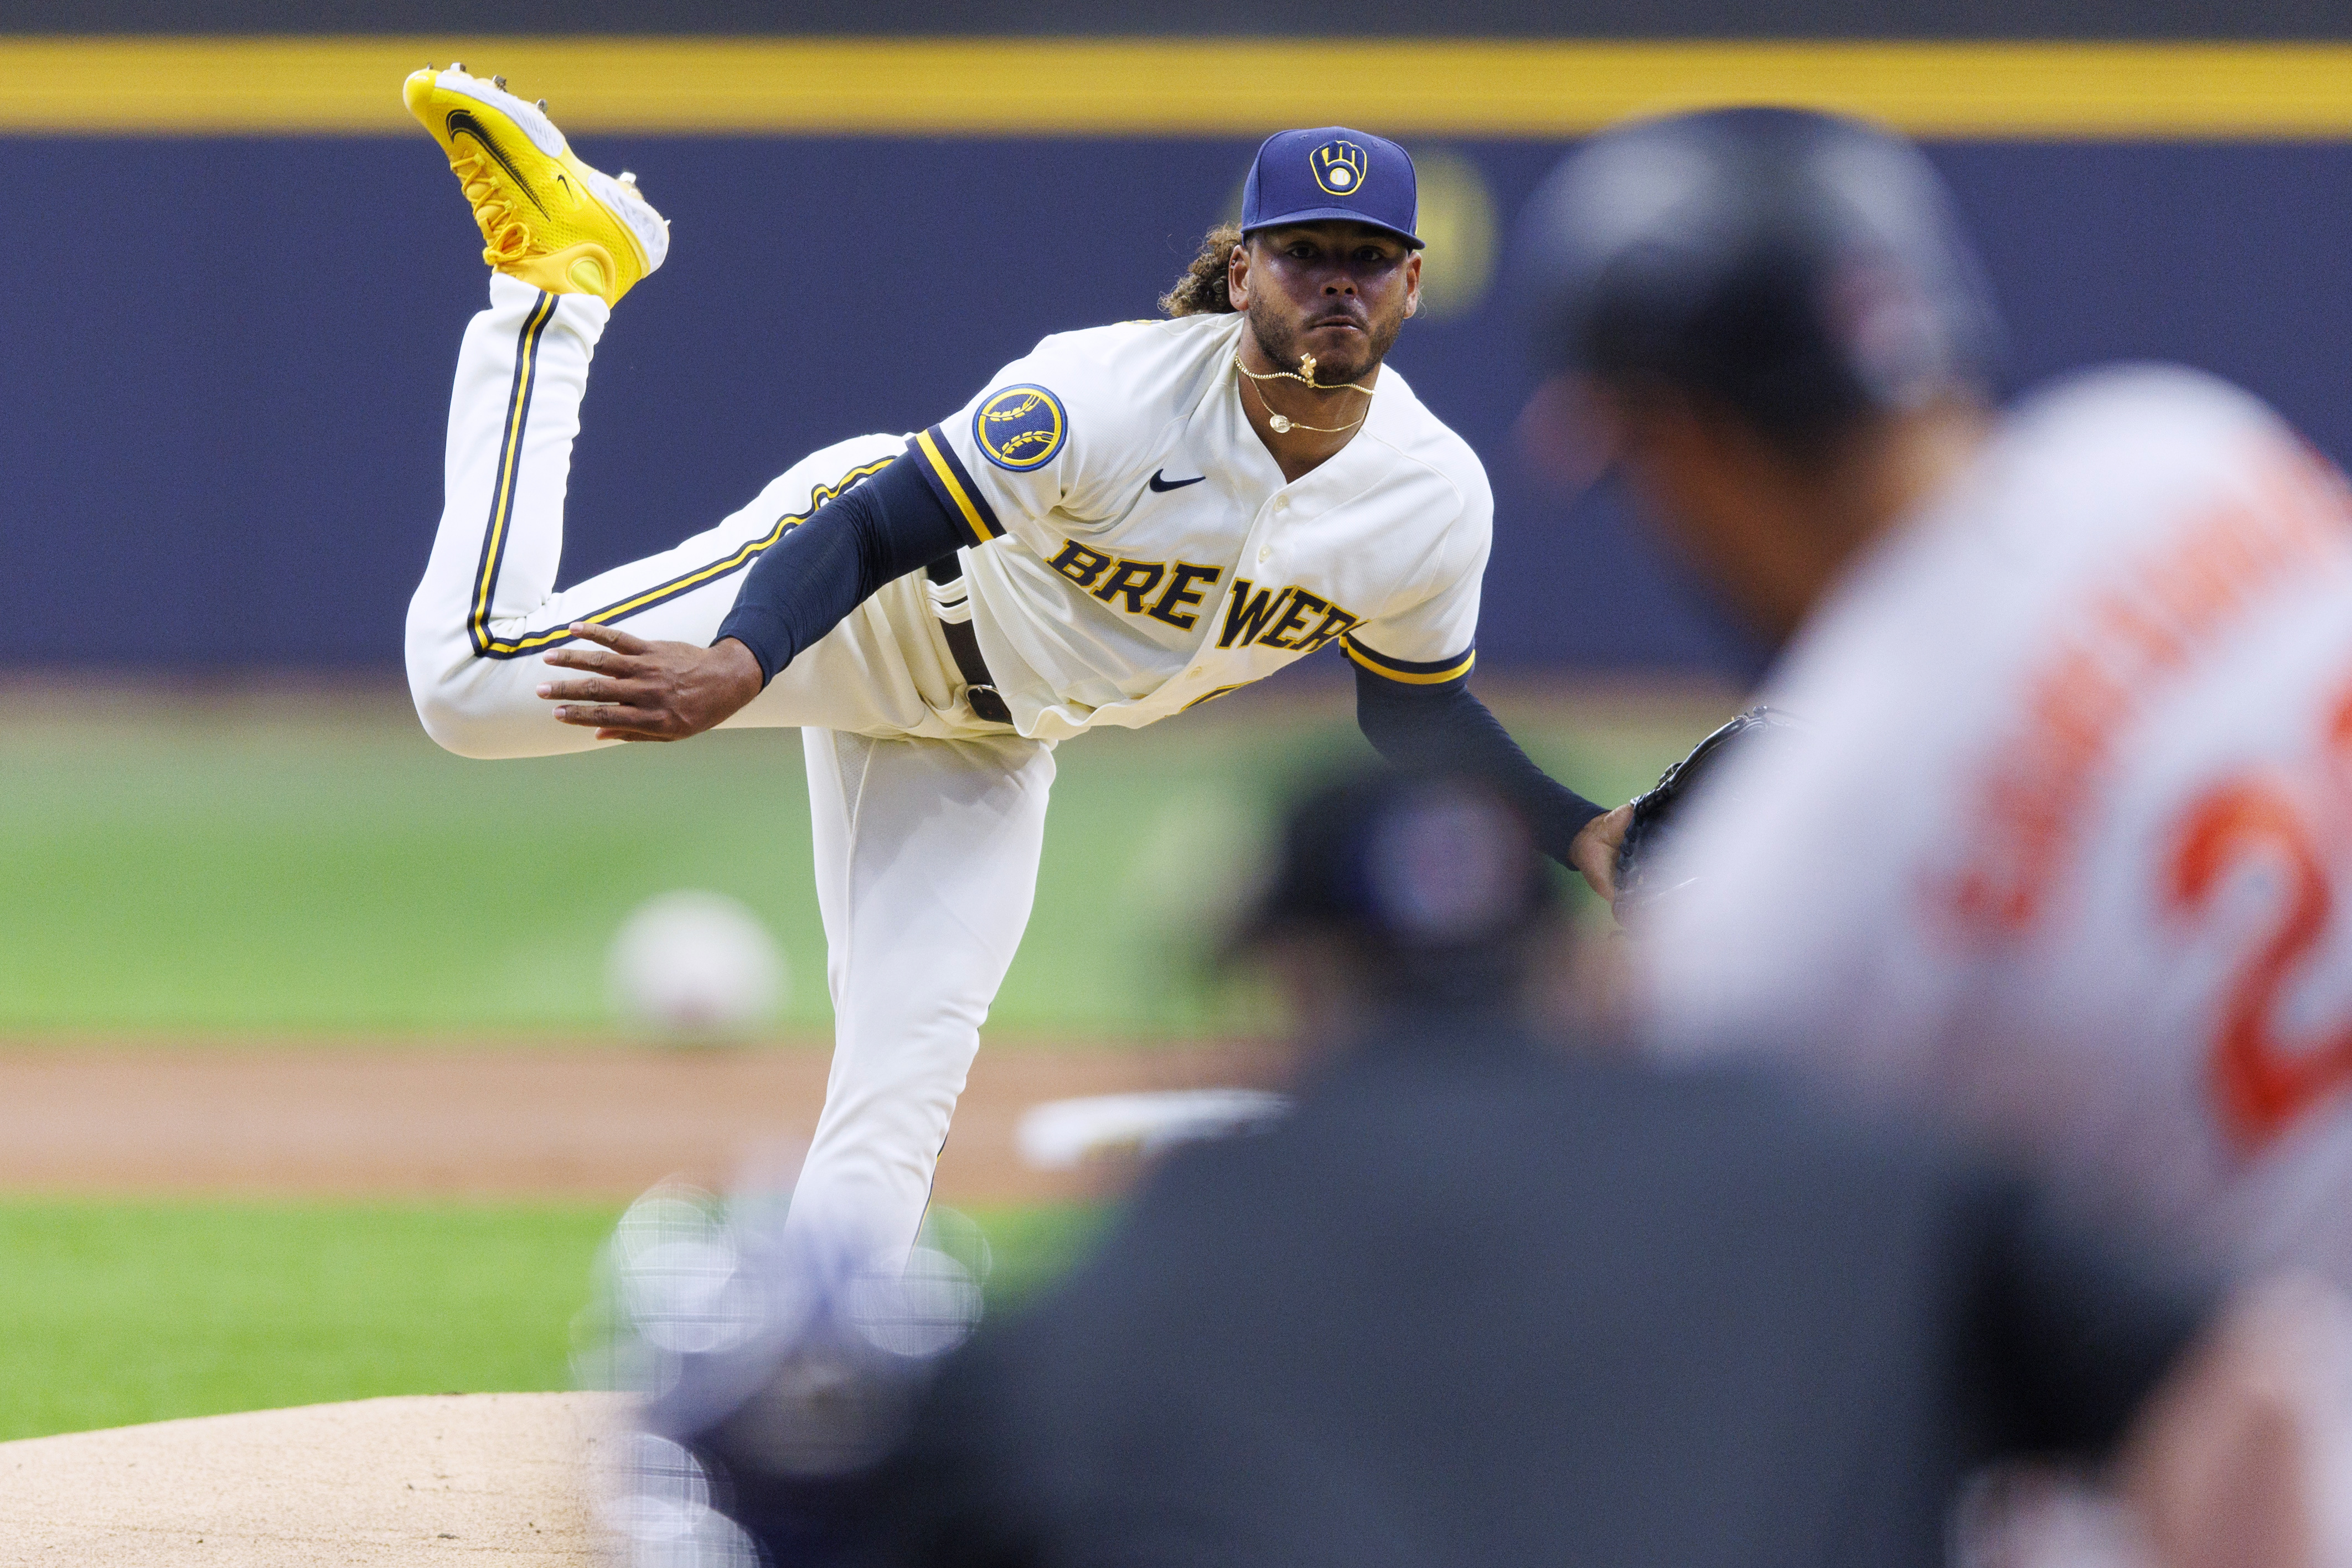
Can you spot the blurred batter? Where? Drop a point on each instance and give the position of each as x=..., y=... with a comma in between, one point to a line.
x=2069, y=846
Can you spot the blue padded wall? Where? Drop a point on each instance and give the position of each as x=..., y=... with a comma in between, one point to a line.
x=221, y=422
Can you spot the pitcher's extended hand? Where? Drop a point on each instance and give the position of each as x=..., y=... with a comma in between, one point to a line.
x=1593, y=851
x=636, y=690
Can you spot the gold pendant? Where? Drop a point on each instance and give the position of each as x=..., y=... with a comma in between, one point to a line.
x=1281, y=425
x=1307, y=369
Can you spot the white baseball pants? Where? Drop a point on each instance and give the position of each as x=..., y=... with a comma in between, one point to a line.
x=927, y=822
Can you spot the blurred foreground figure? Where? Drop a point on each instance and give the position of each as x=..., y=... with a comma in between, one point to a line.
x=1479, y=1300
x=2065, y=845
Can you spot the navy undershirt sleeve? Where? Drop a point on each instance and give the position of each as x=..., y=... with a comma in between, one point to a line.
x=1442, y=726
x=805, y=582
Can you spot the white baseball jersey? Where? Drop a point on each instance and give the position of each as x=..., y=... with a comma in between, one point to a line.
x=2070, y=848
x=1136, y=550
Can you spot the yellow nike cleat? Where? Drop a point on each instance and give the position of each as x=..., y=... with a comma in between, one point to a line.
x=547, y=218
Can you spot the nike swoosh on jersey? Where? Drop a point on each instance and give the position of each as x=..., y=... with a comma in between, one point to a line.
x=462, y=121
x=1160, y=484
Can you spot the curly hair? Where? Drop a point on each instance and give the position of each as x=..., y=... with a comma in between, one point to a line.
x=1202, y=290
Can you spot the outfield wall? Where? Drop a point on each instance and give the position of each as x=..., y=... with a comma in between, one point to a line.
x=228, y=353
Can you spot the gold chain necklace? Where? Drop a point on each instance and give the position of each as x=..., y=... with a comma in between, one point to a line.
x=1282, y=423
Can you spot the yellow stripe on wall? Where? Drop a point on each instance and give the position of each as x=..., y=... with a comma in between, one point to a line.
x=1176, y=87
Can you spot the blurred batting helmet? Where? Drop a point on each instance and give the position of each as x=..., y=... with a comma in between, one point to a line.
x=1802, y=269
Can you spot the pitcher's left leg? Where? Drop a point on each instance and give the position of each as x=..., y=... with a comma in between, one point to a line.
x=925, y=866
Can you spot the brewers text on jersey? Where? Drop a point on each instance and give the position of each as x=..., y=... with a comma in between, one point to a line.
x=1103, y=535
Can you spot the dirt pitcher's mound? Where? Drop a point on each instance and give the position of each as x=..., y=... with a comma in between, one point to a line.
x=459, y=1478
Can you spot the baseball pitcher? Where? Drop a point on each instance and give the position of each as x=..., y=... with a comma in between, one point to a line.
x=1125, y=523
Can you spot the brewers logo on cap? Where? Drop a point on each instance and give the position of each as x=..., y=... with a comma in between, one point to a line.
x=1328, y=173
x=1338, y=167
x=1020, y=428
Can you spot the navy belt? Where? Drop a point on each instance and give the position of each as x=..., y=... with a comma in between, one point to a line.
x=951, y=599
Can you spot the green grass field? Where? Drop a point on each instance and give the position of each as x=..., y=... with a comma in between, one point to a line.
x=112, y=1312
x=234, y=865
x=239, y=866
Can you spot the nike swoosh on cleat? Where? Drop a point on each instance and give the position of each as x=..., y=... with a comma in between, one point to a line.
x=1160, y=484
x=463, y=120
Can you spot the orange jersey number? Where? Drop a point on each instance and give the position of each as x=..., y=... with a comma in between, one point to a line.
x=2264, y=1082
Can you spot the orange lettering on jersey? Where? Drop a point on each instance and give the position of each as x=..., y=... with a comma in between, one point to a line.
x=2099, y=680
x=2265, y=1080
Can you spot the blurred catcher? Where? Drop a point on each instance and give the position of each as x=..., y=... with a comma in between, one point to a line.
x=1127, y=522
x=1478, y=1299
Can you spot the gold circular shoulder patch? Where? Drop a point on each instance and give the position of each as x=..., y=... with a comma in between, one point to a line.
x=1021, y=428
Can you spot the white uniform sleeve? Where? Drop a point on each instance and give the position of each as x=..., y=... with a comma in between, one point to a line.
x=1046, y=436
x=1429, y=635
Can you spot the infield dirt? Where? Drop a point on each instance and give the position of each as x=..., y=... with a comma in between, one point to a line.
x=508, y=1121
x=433, y=1480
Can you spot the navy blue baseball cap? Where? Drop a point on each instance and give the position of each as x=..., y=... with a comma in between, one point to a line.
x=1313, y=176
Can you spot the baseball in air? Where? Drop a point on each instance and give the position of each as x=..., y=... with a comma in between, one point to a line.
x=696, y=965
